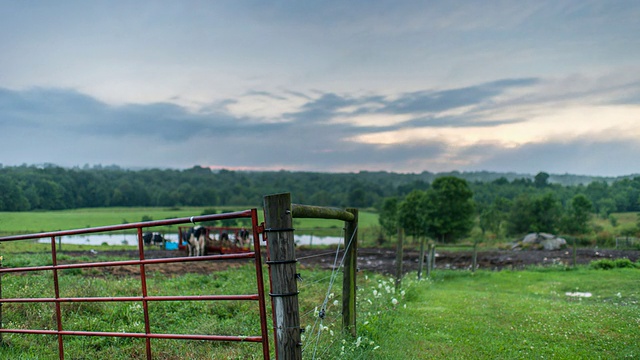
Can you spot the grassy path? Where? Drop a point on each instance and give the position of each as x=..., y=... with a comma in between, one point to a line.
x=516, y=315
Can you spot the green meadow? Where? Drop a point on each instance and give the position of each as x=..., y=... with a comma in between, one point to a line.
x=34, y=222
x=555, y=312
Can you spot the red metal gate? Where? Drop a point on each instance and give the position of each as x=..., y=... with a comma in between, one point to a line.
x=145, y=298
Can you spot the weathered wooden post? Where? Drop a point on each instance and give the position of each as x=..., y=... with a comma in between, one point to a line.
x=433, y=256
x=574, y=252
x=349, y=276
x=281, y=260
x=421, y=261
x=429, y=260
x=474, y=263
x=399, y=255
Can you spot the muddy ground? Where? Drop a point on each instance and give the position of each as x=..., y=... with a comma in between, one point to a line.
x=373, y=259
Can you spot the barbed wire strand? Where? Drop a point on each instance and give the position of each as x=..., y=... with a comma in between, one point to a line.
x=331, y=282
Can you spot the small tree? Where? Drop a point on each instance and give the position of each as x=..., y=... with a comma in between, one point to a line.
x=388, y=216
x=576, y=221
x=450, y=209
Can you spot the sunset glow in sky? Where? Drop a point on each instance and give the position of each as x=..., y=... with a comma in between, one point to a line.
x=336, y=86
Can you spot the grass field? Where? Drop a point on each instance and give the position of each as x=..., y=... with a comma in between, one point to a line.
x=455, y=314
x=34, y=222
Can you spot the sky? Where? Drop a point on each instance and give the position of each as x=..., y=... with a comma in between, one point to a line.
x=327, y=86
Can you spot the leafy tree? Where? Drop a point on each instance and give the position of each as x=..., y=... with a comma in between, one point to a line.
x=491, y=218
x=539, y=214
x=450, y=209
x=412, y=213
x=546, y=213
x=388, y=216
x=576, y=221
x=541, y=180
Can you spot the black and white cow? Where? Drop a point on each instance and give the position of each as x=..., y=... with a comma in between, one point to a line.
x=242, y=237
x=152, y=238
x=195, y=238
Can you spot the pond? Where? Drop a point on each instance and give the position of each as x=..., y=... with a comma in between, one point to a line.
x=132, y=239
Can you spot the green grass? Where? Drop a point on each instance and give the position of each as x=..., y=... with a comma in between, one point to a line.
x=35, y=222
x=516, y=315
x=455, y=314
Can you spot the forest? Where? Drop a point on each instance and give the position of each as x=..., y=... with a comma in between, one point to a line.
x=50, y=187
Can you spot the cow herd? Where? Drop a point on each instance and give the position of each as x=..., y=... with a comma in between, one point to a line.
x=197, y=237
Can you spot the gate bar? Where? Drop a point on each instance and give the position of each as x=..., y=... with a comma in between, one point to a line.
x=321, y=212
x=130, y=226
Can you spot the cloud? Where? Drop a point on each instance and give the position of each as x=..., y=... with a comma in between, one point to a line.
x=585, y=156
x=489, y=126
x=437, y=101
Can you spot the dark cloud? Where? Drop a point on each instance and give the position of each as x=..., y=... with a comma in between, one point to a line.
x=585, y=156
x=83, y=115
x=328, y=105
x=86, y=130
x=437, y=101
x=322, y=108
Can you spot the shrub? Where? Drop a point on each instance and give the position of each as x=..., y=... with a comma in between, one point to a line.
x=607, y=264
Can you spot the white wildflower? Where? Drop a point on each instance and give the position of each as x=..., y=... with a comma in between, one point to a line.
x=394, y=301
x=335, y=303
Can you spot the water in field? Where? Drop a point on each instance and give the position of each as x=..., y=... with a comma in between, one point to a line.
x=132, y=239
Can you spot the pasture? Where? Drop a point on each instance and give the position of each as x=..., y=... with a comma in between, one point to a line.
x=455, y=314
x=34, y=222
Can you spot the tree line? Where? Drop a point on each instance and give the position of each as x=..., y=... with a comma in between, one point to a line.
x=515, y=203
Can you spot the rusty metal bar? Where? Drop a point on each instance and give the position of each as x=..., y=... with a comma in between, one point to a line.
x=260, y=283
x=131, y=226
x=137, y=335
x=136, y=298
x=56, y=287
x=143, y=284
x=131, y=262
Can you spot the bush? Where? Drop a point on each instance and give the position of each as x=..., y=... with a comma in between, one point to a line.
x=605, y=239
x=607, y=264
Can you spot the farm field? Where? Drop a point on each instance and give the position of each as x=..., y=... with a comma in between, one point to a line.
x=456, y=314
x=34, y=222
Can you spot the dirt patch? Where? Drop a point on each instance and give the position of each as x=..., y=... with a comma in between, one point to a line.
x=370, y=259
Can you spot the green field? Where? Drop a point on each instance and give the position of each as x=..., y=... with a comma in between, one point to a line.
x=34, y=222
x=456, y=314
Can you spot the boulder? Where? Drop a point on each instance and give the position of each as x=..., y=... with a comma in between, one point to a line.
x=544, y=240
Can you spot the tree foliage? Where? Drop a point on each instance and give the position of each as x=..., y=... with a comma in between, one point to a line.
x=450, y=209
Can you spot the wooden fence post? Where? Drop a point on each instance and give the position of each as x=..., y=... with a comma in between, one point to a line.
x=474, y=262
x=421, y=259
x=282, y=269
x=429, y=260
x=399, y=255
x=349, y=276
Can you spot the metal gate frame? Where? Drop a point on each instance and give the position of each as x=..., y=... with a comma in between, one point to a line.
x=147, y=335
